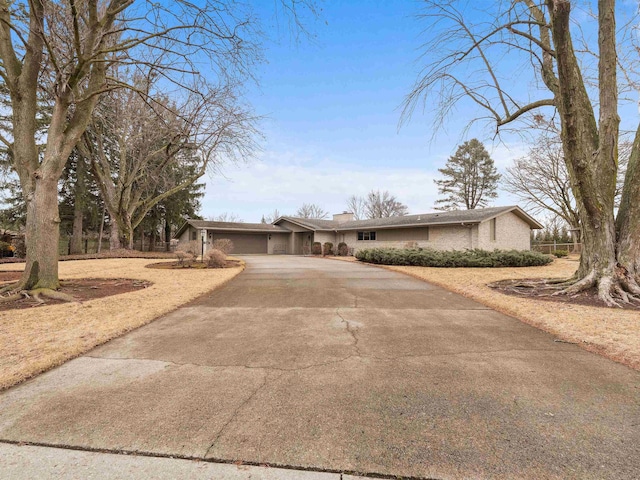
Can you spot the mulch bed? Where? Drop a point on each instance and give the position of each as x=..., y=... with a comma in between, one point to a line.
x=9, y=276
x=535, y=290
x=193, y=265
x=81, y=289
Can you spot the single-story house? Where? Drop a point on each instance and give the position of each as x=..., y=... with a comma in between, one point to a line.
x=486, y=228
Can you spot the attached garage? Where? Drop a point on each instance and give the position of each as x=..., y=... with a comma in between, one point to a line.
x=244, y=242
x=247, y=238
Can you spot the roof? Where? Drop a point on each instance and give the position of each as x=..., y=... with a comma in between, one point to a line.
x=453, y=217
x=424, y=219
x=231, y=227
x=311, y=223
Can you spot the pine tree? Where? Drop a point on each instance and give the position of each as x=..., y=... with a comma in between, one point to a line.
x=471, y=178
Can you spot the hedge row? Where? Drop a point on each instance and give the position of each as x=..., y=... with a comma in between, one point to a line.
x=453, y=258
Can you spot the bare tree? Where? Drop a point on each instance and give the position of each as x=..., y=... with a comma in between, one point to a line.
x=272, y=217
x=137, y=139
x=311, y=210
x=377, y=204
x=383, y=204
x=357, y=206
x=470, y=178
x=546, y=52
x=65, y=50
x=60, y=54
x=542, y=181
x=226, y=217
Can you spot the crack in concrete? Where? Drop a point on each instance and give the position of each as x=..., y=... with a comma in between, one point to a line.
x=352, y=332
x=235, y=413
x=222, y=365
x=358, y=354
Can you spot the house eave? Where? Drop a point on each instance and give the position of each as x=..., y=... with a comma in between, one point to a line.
x=409, y=225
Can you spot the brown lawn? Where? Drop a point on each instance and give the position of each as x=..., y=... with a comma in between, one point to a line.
x=37, y=339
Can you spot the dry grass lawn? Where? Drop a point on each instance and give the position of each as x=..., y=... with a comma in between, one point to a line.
x=37, y=339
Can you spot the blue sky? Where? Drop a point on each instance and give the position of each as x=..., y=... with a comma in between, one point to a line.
x=332, y=113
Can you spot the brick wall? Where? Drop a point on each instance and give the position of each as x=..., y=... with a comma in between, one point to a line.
x=512, y=233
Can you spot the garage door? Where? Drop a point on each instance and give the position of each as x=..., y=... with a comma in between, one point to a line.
x=245, y=242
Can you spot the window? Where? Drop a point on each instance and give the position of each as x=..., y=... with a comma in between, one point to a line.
x=366, y=236
x=194, y=235
x=492, y=229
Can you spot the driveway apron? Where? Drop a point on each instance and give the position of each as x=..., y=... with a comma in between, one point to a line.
x=338, y=366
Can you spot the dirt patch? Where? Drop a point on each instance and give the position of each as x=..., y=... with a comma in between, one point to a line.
x=537, y=289
x=193, y=265
x=81, y=289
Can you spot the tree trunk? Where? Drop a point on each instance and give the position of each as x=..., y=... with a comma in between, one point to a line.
x=152, y=240
x=114, y=237
x=42, y=236
x=167, y=236
x=628, y=222
x=75, y=246
x=101, y=231
x=590, y=150
x=128, y=232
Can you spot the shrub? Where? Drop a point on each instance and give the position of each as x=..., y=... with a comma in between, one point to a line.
x=194, y=247
x=560, y=253
x=327, y=248
x=215, y=258
x=411, y=244
x=343, y=249
x=224, y=245
x=453, y=258
x=184, y=257
x=316, y=248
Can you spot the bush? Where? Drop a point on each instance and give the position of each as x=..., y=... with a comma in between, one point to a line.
x=316, y=248
x=223, y=244
x=343, y=249
x=215, y=258
x=327, y=249
x=560, y=253
x=194, y=247
x=184, y=257
x=453, y=258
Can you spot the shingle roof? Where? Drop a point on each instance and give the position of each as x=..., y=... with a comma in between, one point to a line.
x=312, y=223
x=438, y=218
x=424, y=219
x=237, y=225
x=232, y=226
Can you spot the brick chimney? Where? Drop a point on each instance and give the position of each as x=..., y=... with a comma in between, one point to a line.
x=343, y=217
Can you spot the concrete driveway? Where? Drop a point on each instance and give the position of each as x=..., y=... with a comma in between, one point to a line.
x=337, y=366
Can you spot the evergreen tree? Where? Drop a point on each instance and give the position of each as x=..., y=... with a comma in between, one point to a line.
x=471, y=178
